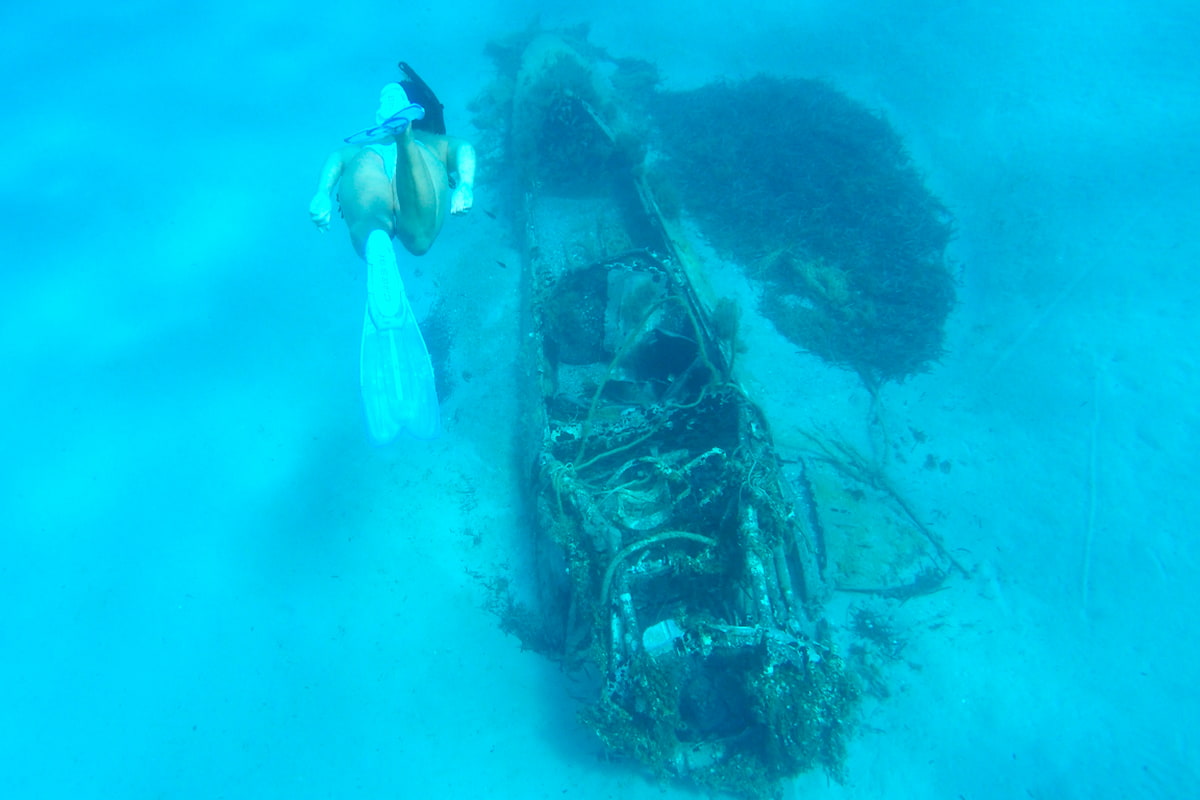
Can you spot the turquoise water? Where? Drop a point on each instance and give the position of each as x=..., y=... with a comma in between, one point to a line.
x=214, y=586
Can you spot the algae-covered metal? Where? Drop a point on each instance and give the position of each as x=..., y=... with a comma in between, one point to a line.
x=672, y=553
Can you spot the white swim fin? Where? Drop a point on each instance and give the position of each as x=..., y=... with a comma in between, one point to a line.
x=396, y=373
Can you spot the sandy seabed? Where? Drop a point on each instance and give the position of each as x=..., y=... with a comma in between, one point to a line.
x=215, y=587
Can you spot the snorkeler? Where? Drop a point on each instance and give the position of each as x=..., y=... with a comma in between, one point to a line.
x=396, y=180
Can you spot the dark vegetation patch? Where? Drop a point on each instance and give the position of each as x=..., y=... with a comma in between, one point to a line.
x=819, y=198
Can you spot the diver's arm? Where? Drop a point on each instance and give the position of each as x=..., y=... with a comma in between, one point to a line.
x=460, y=161
x=321, y=207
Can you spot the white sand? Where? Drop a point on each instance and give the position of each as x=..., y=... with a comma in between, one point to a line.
x=215, y=587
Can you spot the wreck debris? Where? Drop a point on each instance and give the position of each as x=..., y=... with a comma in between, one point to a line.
x=677, y=555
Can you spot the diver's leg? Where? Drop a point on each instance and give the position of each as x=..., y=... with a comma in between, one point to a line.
x=365, y=195
x=422, y=194
x=396, y=375
x=387, y=302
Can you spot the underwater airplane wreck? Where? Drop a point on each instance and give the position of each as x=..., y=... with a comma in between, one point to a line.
x=683, y=564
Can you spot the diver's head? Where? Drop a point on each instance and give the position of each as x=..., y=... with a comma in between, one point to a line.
x=392, y=99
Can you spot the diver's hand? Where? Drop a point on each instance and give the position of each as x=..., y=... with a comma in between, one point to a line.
x=462, y=199
x=321, y=210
